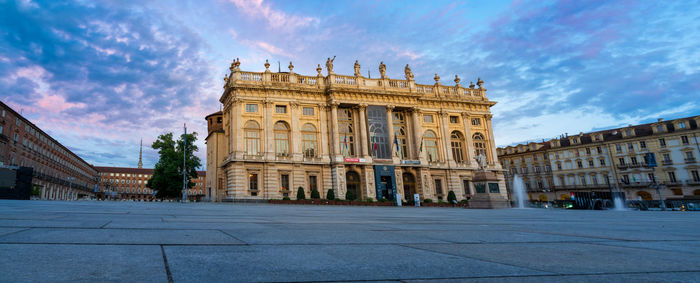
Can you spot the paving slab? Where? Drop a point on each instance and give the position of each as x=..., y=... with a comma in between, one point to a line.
x=323, y=263
x=322, y=237
x=120, y=236
x=81, y=263
x=649, y=277
x=572, y=258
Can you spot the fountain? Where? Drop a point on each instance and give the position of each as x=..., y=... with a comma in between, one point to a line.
x=519, y=190
x=619, y=203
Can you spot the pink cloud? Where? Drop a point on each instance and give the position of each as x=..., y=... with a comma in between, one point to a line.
x=275, y=19
x=56, y=104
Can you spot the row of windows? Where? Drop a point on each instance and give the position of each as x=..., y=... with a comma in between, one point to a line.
x=252, y=133
x=279, y=109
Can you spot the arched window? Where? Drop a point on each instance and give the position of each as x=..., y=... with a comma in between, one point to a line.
x=308, y=140
x=457, y=142
x=431, y=146
x=479, y=144
x=252, y=138
x=281, y=138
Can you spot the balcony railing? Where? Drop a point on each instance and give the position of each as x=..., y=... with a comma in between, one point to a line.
x=690, y=160
x=622, y=166
x=667, y=162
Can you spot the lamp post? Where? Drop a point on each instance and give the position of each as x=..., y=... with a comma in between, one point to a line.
x=184, y=166
x=70, y=189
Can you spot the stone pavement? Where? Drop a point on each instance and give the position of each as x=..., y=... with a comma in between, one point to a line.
x=209, y=242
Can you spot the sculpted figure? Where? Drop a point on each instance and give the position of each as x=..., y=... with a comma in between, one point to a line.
x=329, y=65
x=409, y=74
x=357, y=69
x=382, y=69
x=481, y=160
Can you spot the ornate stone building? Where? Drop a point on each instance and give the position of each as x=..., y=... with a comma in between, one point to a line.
x=362, y=137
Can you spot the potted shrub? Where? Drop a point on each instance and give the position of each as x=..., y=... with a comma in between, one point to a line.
x=330, y=195
x=300, y=194
x=350, y=195
x=315, y=194
x=451, y=197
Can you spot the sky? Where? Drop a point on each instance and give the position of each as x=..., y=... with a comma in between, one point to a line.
x=99, y=76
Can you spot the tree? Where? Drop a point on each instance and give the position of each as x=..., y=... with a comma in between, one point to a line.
x=167, y=174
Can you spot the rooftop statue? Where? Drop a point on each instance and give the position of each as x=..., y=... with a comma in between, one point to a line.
x=329, y=65
x=357, y=69
x=409, y=74
x=382, y=69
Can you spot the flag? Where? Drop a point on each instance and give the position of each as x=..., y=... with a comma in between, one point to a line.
x=374, y=145
x=420, y=148
x=396, y=142
x=345, y=142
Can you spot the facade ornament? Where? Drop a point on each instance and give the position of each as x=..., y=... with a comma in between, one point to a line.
x=318, y=69
x=235, y=65
x=465, y=116
x=294, y=104
x=480, y=83
x=436, y=78
x=291, y=66
x=407, y=71
x=471, y=85
x=329, y=65
x=357, y=69
x=267, y=66
x=225, y=81
x=457, y=79
x=488, y=116
x=390, y=107
x=382, y=69
x=362, y=106
x=481, y=160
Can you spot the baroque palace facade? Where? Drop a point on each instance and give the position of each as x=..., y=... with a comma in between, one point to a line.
x=361, y=137
x=642, y=161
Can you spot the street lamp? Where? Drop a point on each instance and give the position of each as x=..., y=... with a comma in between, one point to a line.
x=70, y=189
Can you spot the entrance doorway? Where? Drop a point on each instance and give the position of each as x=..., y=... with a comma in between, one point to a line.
x=385, y=182
x=352, y=182
x=409, y=186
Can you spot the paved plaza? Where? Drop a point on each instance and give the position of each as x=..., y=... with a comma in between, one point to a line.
x=207, y=242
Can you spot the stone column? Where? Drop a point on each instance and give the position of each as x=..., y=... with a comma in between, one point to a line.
x=323, y=153
x=335, y=142
x=469, y=155
x=295, y=139
x=362, y=119
x=445, y=129
x=390, y=130
x=268, y=130
x=237, y=129
x=492, y=142
x=417, y=133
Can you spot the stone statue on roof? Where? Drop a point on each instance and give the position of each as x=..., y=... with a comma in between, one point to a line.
x=357, y=69
x=329, y=65
x=382, y=69
x=409, y=74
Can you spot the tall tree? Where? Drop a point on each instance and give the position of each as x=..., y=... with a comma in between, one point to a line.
x=167, y=175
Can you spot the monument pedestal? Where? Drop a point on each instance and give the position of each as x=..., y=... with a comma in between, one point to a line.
x=487, y=191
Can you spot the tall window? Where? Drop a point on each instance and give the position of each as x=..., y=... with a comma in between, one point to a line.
x=253, y=184
x=457, y=142
x=672, y=176
x=252, y=138
x=281, y=138
x=399, y=121
x=346, y=132
x=251, y=108
x=308, y=140
x=479, y=144
x=431, y=146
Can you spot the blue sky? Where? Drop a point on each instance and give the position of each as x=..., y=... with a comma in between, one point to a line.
x=99, y=76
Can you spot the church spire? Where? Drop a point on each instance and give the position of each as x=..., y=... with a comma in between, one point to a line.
x=140, y=149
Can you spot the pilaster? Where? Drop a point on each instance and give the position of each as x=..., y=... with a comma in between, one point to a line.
x=469, y=155
x=362, y=119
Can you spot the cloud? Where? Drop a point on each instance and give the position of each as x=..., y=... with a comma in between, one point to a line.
x=274, y=18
